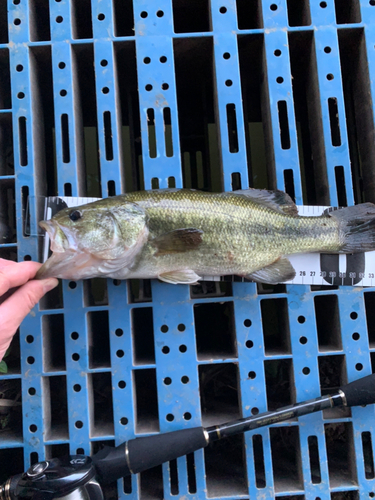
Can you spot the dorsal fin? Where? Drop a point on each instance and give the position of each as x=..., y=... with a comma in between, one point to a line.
x=276, y=200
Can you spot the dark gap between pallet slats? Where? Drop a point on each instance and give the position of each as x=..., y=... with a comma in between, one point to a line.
x=359, y=113
x=131, y=151
x=307, y=109
x=219, y=393
x=143, y=336
x=98, y=337
x=101, y=406
x=5, y=95
x=215, y=330
x=340, y=454
x=39, y=20
x=298, y=12
x=197, y=123
x=286, y=459
x=192, y=16
x=250, y=50
x=332, y=375
x=146, y=401
x=279, y=383
x=53, y=342
x=55, y=418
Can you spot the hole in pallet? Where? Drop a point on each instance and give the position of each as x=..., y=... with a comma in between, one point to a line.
x=6, y=142
x=65, y=138
x=368, y=456
x=340, y=454
x=95, y=292
x=219, y=393
x=53, y=342
x=12, y=463
x=127, y=485
x=8, y=212
x=232, y=128
x=173, y=475
x=314, y=460
x=249, y=14
x=298, y=13
x=22, y=134
x=225, y=467
x=332, y=375
x=260, y=473
x=151, y=483
x=347, y=11
x=340, y=186
x=191, y=17
x=284, y=124
x=279, y=383
x=108, y=135
x=151, y=133
x=289, y=183
x=111, y=188
x=354, y=61
x=139, y=291
x=55, y=408
x=81, y=19
x=11, y=417
x=207, y=289
x=168, y=132
x=328, y=322
x=286, y=458
x=370, y=317
x=196, y=109
x=236, y=181
x=310, y=136
x=143, y=336
x=215, y=330
x=334, y=121
x=98, y=337
x=275, y=326
x=101, y=409
x=123, y=17
x=57, y=450
x=109, y=490
x=147, y=414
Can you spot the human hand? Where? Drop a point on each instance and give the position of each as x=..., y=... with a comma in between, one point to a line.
x=15, y=307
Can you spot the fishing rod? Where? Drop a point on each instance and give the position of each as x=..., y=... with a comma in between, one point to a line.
x=78, y=477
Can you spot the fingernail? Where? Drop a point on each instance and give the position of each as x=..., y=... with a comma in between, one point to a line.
x=50, y=284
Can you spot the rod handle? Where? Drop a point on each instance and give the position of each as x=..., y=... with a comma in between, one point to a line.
x=143, y=453
x=360, y=392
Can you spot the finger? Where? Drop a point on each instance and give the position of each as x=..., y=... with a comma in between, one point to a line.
x=17, y=274
x=15, y=308
x=5, y=262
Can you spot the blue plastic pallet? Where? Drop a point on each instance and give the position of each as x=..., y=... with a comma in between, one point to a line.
x=212, y=95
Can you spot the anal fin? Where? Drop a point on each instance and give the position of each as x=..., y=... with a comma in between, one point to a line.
x=278, y=272
x=185, y=277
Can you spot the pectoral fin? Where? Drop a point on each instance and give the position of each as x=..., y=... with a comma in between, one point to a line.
x=186, y=277
x=180, y=240
x=278, y=272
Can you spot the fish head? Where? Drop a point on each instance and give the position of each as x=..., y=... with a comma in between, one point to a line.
x=94, y=240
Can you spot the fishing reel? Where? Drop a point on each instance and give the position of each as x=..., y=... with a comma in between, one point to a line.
x=70, y=478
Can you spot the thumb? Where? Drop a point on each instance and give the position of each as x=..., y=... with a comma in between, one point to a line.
x=17, y=307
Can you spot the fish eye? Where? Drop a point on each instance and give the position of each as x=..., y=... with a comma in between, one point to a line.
x=75, y=215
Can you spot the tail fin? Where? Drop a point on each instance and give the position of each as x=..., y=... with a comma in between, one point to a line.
x=358, y=227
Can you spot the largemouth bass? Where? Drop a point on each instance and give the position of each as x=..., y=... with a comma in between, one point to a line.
x=180, y=235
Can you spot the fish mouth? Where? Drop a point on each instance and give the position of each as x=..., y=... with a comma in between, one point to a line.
x=65, y=262
x=56, y=235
